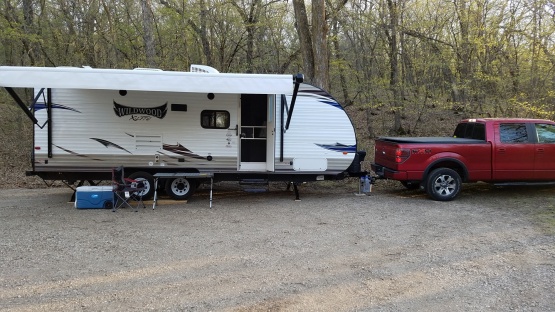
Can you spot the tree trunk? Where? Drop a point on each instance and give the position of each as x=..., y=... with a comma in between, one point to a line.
x=305, y=39
x=465, y=69
x=339, y=57
x=320, y=43
x=394, y=65
x=251, y=22
x=203, y=33
x=148, y=34
x=28, y=29
x=250, y=19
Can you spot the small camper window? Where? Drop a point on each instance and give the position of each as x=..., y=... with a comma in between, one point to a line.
x=211, y=119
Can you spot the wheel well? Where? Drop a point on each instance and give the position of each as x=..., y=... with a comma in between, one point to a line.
x=451, y=164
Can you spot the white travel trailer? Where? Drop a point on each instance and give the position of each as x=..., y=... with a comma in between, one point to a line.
x=183, y=126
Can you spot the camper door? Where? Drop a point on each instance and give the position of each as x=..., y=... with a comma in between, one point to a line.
x=256, y=132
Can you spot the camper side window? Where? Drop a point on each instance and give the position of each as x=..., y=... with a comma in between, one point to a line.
x=211, y=119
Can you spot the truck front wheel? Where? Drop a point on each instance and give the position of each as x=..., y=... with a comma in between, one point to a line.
x=443, y=184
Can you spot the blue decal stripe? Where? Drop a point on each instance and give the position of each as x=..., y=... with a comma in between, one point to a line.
x=39, y=106
x=337, y=147
x=333, y=103
x=322, y=94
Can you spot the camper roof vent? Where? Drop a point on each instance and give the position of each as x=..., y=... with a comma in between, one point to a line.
x=203, y=69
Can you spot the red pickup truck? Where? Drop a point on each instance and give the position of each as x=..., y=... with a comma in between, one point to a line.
x=494, y=150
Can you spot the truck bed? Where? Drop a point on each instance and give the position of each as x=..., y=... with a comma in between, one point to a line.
x=431, y=140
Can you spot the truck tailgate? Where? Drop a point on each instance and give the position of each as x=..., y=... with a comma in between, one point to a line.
x=385, y=153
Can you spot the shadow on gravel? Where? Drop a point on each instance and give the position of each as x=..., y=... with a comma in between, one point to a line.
x=534, y=202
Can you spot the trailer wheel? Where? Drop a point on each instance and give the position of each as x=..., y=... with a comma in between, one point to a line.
x=443, y=184
x=148, y=180
x=180, y=188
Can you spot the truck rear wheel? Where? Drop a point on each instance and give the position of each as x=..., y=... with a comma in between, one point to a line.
x=443, y=184
x=180, y=188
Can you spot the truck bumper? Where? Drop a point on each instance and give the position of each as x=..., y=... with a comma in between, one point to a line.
x=387, y=173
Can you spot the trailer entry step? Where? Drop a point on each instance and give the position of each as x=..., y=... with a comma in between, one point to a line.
x=255, y=185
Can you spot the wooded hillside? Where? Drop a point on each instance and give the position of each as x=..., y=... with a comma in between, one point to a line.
x=398, y=66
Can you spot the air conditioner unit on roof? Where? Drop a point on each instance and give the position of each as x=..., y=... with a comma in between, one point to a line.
x=203, y=69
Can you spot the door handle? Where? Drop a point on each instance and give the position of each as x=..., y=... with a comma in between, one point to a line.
x=236, y=130
x=501, y=150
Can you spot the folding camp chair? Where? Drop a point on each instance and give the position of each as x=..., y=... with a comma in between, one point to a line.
x=126, y=190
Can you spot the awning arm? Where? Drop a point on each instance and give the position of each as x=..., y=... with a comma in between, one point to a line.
x=298, y=79
x=282, y=130
x=19, y=102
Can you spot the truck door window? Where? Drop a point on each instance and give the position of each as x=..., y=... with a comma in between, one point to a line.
x=513, y=133
x=546, y=133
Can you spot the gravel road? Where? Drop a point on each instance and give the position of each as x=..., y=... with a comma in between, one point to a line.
x=492, y=249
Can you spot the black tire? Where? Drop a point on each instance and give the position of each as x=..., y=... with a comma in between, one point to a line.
x=411, y=185
x=443, y=184
x=108, y=205
x=180, y=188
x=148, y=180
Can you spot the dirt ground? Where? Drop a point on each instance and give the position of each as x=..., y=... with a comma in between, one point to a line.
x=492, y=249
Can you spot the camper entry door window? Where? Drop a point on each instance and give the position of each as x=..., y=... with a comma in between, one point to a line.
x=254, y=110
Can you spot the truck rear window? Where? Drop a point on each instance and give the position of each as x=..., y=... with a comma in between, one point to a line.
x=470, y=130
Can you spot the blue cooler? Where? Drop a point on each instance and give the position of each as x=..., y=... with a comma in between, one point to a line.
x=94, y=197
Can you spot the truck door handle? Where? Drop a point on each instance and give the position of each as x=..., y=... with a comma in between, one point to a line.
x=540, y=150
x=501, y=150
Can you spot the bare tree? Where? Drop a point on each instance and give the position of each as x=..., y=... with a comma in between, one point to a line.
x=338, y=54
x=200, y=28
x=392, y=30
x=250, y=16
x=28, y=28
x=305, y=38
x=148, y=33
x=320, y=44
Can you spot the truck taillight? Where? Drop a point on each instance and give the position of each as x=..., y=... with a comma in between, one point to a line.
x=401, y=154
